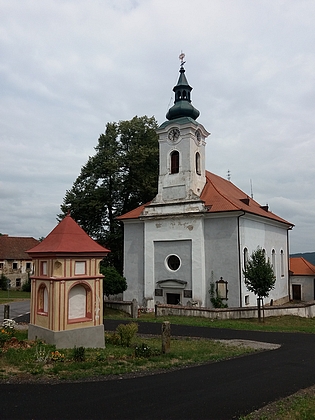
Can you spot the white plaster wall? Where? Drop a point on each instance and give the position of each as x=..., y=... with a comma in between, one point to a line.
x=133, y=260
x=222, y=256
x=175, y=229
x=268, y=235
x=307, y=286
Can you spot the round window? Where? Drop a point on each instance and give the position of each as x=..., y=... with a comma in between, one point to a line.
x=173, y=262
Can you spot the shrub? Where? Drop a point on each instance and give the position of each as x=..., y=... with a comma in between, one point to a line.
x=127, y=333
x=215, y=299
x=113, y=282
x=26, y=286
x=78, y=354
x=112, y=338
x=5, y=335
x=4, y=281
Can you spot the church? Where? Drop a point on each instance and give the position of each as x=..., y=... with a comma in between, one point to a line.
x=200, y=229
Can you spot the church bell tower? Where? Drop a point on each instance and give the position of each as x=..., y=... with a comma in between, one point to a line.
x=181, y=149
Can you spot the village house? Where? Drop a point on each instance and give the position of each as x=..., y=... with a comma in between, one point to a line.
x=15, y=264
x=302, y=279
x=200, y=229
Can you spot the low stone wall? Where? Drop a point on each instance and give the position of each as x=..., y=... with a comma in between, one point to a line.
x=305, y=310
x=130, y=307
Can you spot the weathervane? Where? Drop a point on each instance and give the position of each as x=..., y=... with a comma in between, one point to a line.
x=181, y=57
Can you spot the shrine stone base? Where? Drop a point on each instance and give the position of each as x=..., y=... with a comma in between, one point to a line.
x=89, y=337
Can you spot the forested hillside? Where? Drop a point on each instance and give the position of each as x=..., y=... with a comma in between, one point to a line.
x=309, y=256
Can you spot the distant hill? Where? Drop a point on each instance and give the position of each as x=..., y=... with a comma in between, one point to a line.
x=309, y=256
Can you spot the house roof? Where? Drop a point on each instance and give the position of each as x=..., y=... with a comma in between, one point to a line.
x=15, y=247
x=68, y=238
x=300, y=266
x=221, y=195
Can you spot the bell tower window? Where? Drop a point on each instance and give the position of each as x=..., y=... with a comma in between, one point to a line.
x=175, y=162
x=198, y=169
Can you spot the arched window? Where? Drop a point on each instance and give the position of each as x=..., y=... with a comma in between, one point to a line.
x=175, y=162
x=282, y=263
x=198, y=169
x=80, y=302
x=273, y=261
x=42, y=300
x=245, y=256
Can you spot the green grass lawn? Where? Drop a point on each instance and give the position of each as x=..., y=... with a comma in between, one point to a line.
x=7, y=296
x=274, y=324
x=36, y=359
x=299, y=406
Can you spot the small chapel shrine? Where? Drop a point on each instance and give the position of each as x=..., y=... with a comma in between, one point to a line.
x=200, y=229
x=67, y=288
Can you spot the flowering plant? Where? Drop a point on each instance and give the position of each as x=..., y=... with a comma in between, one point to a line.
x=41, y=355
x=143, y=351
x=56, y=356
x=5, y=335
x=9, y=323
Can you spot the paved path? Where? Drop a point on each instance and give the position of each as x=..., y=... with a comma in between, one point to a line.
x=17, y=309
x=223, y=390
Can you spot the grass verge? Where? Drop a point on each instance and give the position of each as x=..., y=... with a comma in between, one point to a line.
x=299, y=406
x=273, y=324
x=39, y=360
x=13, y=295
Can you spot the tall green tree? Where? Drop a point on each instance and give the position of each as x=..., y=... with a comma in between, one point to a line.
x=259, y=276
x=119, y=177
x=113, y=282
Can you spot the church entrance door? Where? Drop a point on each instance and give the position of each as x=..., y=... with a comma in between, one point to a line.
x=173, y=298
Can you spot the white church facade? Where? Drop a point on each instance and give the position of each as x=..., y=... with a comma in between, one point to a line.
x=200, y=228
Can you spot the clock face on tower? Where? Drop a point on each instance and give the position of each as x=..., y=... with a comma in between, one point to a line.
x=174, y=134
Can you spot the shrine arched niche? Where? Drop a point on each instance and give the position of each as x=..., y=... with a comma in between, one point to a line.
x=42, y=300
x=80, y=302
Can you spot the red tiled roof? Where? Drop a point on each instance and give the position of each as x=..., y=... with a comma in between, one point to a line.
x=68, y=238
x=221, y=195
x=302, y=267
x=15, y=247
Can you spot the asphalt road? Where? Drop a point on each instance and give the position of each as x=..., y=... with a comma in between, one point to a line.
x=17, y=309
x=223, y=390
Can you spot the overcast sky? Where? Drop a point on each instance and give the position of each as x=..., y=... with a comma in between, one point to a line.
x=69, y=67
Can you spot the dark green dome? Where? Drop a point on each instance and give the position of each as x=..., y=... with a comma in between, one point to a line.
x=182, y=105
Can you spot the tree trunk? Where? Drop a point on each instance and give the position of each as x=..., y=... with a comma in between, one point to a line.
x=259, y=309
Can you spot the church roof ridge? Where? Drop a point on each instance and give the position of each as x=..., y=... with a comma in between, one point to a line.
x=233, y=195
x=220, y=195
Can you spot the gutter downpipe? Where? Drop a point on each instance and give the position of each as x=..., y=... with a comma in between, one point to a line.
x=239, y=255
x=288, y=263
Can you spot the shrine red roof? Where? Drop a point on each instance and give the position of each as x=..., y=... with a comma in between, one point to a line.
x=68, y=238
x=15, y=247
x=300, y=266
x=221, y=195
